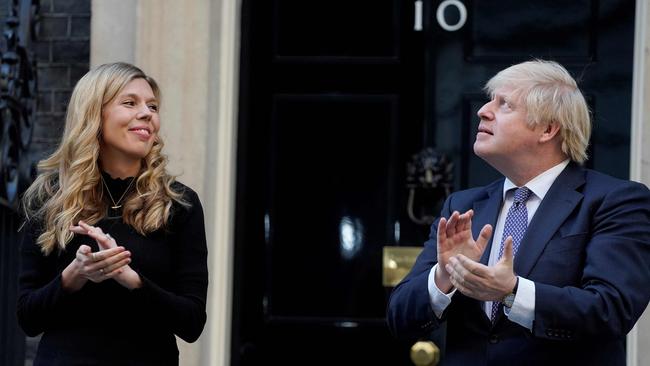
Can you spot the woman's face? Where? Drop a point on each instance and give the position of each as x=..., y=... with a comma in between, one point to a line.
x=130, y=123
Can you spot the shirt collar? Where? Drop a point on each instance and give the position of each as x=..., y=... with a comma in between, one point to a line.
x=541, y=183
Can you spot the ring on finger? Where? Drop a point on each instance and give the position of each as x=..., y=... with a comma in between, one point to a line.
x=93, y=256
x=108, y=236
x=101, y=270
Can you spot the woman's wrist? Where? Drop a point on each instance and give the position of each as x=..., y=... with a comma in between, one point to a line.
x=129, y=278
x=70, y=279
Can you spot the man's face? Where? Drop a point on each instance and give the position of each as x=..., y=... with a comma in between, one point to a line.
x=503, y=133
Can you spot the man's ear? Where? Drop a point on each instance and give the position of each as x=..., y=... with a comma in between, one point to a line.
x=551, y=130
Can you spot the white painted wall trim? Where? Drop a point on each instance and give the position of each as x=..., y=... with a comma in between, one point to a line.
x=112, y=28
x=639, y=86
x=638, y=90
x=220, y=177
x=199, y=77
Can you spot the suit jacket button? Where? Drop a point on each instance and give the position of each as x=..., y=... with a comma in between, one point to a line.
x=494, y=339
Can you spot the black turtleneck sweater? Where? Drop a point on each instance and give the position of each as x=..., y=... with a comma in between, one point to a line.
x=105, y=323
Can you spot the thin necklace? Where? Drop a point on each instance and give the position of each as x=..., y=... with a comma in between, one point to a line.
x=116, y=205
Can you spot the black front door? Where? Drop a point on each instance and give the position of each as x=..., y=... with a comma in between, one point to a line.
x=336, y=97
x=332, y=96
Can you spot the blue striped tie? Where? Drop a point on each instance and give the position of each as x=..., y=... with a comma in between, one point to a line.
x=515, y=226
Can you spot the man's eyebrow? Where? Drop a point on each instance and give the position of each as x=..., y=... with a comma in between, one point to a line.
x=510, y=98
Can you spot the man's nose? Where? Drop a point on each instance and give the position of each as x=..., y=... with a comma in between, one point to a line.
x=485, y=113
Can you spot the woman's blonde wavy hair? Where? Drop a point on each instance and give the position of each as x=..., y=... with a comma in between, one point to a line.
x=68, y=187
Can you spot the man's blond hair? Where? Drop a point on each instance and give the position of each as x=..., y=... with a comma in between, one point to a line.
x=550, y=94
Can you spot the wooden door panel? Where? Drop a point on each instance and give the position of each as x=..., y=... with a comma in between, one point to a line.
x=331, y=178
x=337, y=30
x=563, y=30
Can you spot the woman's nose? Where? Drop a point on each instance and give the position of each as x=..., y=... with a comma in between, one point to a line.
x=144, y=113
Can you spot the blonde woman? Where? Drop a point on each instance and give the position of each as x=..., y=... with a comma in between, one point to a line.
x=114, y=257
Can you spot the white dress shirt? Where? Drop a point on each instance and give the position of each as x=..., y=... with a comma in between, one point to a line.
x=523, y=308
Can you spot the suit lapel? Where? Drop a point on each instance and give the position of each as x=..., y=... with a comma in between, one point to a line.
x=486, y=211
x=559, y=202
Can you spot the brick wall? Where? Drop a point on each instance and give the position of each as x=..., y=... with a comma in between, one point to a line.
x=62, y=54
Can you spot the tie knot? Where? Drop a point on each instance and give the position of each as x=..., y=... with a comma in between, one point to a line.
x=522, y=194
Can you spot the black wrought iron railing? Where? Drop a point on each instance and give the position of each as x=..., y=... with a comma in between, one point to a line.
x=18, y=96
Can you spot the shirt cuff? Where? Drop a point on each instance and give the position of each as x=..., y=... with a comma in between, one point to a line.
x=523, y=308
x=438, y=299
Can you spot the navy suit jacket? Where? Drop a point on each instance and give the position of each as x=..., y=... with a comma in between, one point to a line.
x=588, y=251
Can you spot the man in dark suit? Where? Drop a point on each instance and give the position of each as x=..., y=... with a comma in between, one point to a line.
x=567, y=272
